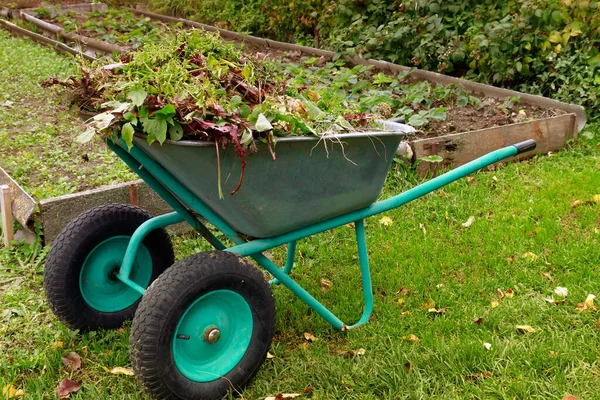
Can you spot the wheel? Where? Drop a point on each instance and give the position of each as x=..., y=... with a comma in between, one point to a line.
x=80, y=273
x=203, y=328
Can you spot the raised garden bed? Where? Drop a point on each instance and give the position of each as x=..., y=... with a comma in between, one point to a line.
x=506, y=116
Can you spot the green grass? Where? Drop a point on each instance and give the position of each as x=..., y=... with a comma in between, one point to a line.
x=424, y=255
x=37, y=127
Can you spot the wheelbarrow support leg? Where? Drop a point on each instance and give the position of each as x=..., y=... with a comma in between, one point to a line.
x=289, y=261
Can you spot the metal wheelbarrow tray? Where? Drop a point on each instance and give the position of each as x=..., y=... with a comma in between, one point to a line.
x=204, y=324
x=311, y=180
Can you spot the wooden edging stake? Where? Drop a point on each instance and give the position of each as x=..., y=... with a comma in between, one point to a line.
x=7, y=218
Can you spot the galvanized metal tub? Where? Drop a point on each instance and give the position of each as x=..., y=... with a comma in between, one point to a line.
x=311, y=180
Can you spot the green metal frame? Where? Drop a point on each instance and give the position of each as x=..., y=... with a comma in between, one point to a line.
x=187, y=207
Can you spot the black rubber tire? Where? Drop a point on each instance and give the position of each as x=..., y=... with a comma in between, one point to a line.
x=70, y=249
x=169, y=297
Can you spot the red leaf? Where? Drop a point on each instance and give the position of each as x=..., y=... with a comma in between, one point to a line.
x=72, y=361
x=66, y=387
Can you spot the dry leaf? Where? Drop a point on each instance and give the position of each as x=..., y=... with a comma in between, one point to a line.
x=352, y=353
x=403, y=292
x=401, y=302
x=270, y=356
x=326, y=282
x=437, y=311
x=547, y=276
x=422, y=226
x=478, y=321
x=525, y=329
x=500, y=294
x=469, y=179
x=72, y=361
x=310, y=337
x=510, y=259
x=304, y=346
x=576, y=204
x=10, y=392
x=66, y=387
x=407, y=367
x=596, y=198
x=386, y=221
x=281, y=396
x=587, y=304
x=478, y=377
x=561, y=291
x=494, y=304
x=509, y=293
x=529, y=255
x=406, y=313
x=488, y=346
x=121, y=371
x=427, y=305
x=570, y=397
x=57, y=345
x=411, y=338
x=469, y=222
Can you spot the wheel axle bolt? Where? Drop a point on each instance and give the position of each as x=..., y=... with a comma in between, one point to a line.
x=212, y=335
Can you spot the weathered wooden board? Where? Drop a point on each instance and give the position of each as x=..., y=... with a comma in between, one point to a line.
x=23, y=205
x=57, y=212
x=550, y=134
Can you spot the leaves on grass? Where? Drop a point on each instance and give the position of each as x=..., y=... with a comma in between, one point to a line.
x=474, y=378
x=547, y=276
x=478, y=321
x=401, y=302
x=281, y=396
x=10, y=392
x=352, y=353
x=509, y=293
x=310, y=337
x=121, y=371
x=500, y=294
x=66, y=387
x=411, y=338
x=488, y=346
x=386, y=221
x=588, y=304
x=530, y=256
x=469, y=222
x=270, y=356
x=72, y=361
x=427, y=305
x=576, y=204
x=263, y=124
x=561, y=291
x=325, y=283
x=436, y=311
x=570, y=397
x=525, y=329
x=596, y=198
x=494, y=304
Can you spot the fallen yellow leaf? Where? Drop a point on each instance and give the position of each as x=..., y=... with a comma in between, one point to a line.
x=406, y=313
x=401, y=302
x=386, y=221
x=310, y=337
x=469, y=222
x=10, y=392
x=57, y=345
x=427, y=305
x=576, y=204
x=326, y=282
x=494, y=304
x=283, y=396
x=596, y=198
x=411, y=338
x=509, y=294
x=270, y=356
x=525, y=329
x=121, y=371
x=570, y=397
x=531, y=256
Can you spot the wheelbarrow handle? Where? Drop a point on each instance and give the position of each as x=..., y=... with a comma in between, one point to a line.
x=525, y=146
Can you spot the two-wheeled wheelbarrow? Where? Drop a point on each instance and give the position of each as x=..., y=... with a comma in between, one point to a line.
x=203, y=326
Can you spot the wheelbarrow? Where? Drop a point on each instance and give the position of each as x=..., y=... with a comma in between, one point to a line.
x=202, y=327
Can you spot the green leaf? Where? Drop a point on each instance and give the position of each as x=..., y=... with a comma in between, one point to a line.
x=156, y=128
x=263, y=124
x=175, y=132
x=244, y=111
x=438, y=113
x=417, y=120
x=462, y=101
x=247, y=72
x=143, y=112
x=166, y=113
x=381, y=78
x=137, y=96
x=127, y=134
x=86, y=136
x=130, y=117
x=235, y=101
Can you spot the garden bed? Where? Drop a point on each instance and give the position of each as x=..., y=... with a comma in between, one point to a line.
x=507, y=116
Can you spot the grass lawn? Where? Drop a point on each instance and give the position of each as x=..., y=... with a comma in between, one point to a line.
x=526, y=236
x=37, y=128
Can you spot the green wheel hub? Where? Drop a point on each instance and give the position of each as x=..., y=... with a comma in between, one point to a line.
x=98, y=282
x=212, y=336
